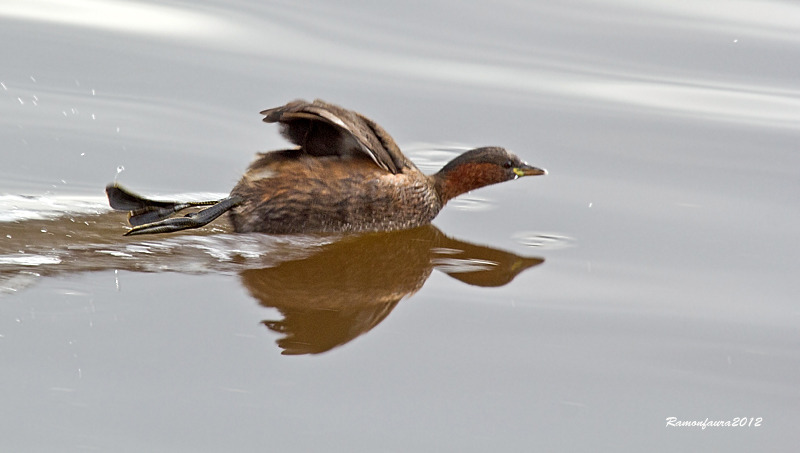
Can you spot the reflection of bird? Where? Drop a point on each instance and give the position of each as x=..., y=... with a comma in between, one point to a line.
x=347, y=174
x=351, y=285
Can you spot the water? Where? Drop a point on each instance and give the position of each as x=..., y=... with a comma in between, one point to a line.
x=651, y=274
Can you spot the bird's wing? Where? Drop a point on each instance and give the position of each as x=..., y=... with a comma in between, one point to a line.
x=323, y=129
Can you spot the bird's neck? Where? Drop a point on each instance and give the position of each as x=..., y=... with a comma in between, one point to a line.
x=454, y=180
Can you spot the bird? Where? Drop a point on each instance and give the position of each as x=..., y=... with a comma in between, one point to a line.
x=345, y=174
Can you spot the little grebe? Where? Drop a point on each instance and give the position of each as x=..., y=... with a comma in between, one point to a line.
x=346, y=174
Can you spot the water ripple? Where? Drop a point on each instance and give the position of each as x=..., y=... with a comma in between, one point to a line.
x=544, y=240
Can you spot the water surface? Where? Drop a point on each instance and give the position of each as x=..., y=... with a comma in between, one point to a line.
x=651, y=274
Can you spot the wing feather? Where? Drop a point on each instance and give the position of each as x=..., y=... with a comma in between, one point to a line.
x=326, y=129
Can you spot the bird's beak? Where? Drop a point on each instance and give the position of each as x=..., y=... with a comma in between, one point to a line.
x=527, y=170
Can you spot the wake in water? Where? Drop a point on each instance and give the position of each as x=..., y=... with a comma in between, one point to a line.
x=44, y=236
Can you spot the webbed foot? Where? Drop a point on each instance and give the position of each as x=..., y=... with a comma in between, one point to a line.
x=189, y=221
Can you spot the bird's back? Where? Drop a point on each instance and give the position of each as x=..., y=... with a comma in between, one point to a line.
x=293, y=192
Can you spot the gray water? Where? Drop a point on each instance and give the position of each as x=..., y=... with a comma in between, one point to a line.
x=651, y=274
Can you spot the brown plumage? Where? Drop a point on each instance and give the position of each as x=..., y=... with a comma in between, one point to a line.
x=346, y=174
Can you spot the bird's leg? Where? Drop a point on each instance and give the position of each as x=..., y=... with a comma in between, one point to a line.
x=143, y=210
x=193, y=220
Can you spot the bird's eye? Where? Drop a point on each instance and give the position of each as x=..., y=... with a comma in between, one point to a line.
x=508, y=164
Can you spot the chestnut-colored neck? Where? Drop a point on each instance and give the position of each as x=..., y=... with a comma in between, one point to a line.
x=452, y=181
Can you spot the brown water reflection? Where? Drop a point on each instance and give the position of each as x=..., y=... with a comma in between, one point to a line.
x=329, y=288
x=334, y=296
